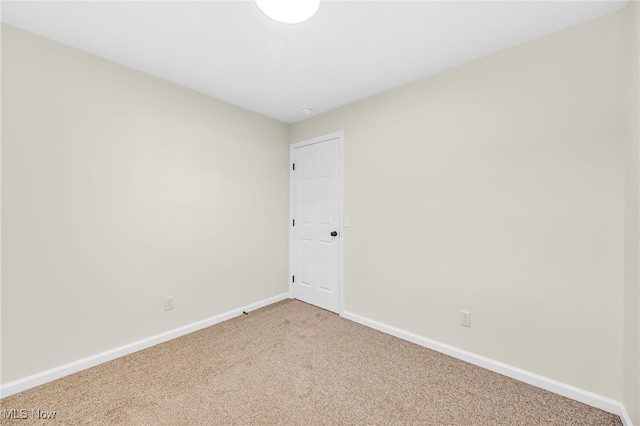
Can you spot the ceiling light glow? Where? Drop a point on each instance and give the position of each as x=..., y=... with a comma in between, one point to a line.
x=289, y=11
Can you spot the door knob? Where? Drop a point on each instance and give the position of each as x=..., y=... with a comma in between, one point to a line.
x=334, y=234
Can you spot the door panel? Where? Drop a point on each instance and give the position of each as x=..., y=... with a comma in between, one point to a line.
x=316, y=210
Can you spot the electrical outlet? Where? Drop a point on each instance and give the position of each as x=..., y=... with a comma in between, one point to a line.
x=465, y=318
x=168, y=303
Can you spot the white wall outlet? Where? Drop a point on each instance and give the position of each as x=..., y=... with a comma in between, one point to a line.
x=465, y=318
x=168, y=303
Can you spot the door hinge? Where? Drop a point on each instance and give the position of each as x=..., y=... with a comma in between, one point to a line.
x=293, y=278
x=294, y=166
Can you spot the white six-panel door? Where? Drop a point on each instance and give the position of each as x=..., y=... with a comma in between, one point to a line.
x=316, y=215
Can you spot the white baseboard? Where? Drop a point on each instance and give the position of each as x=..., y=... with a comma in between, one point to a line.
x=581, y=395
x=626, y=419
x=551, y=385
x=91, y=361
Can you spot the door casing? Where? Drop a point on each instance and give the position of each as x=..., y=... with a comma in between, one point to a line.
x=340, y=136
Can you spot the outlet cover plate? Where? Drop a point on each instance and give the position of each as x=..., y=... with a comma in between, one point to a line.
x=168, y=303
x=465, y=318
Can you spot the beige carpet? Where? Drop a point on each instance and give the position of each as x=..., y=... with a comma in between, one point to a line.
x=294, y=364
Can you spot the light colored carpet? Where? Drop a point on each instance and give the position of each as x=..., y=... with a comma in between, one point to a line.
x=294, y=364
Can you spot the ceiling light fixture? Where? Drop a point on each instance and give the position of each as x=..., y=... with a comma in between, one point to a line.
x=289, y=11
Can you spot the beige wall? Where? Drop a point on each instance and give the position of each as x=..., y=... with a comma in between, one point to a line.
x=496, y=187
x=631, y=328
x=0, y=207
x=119, y=189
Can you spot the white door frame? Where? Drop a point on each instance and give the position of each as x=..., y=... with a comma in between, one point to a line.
x=340, y=136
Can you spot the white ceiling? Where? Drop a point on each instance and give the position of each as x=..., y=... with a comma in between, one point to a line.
x=350, y=50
